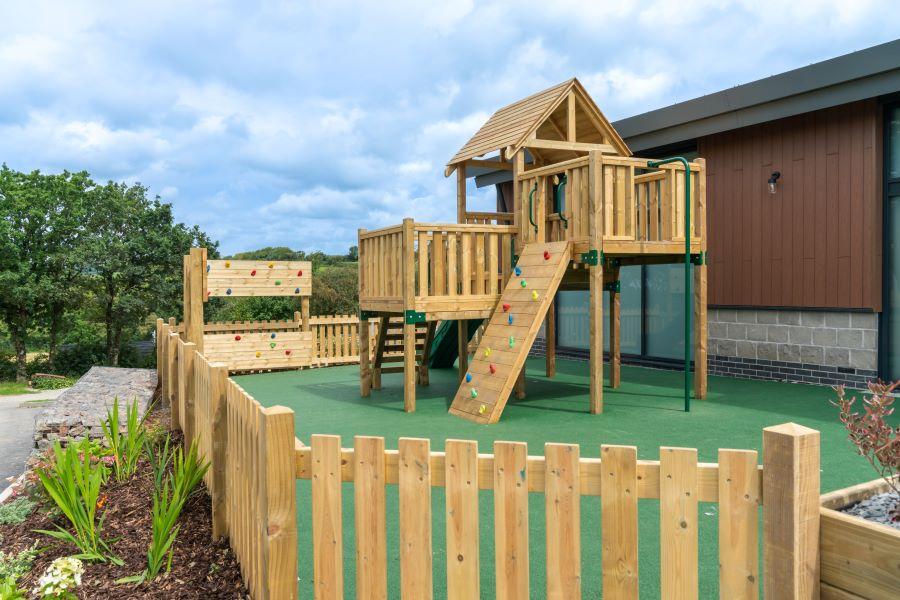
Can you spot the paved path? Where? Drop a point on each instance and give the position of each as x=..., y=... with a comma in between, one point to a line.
x=17, y=415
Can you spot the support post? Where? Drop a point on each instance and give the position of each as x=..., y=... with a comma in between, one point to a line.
x=700, y=290
x=791, y=511
x=365, y=370
x=518, y=162
x=159, y=354
x=409, y=329
x=278, y=502
x=550, y=340
x=595, y=310
x=615, y=335
x=194, y=327
x=218, y=407
x=172, y=377
x=461, y=192
x=462, y=346
x=190, y=391
x=304, y=313
x=520, y=384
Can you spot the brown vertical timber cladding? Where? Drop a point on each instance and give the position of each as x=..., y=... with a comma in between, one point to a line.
x=461, y=474
x=369, y=502
x=328, y=561
x=618, y=506
x=218, y=444
x=511, y=520
x=738, y=525
x=700, y=288
x=279, y=502
x=817, y=242
x=791, y=511
x=414, y=481
x=562, y=497
x=595, y=308
x=678, y=496
x=408, y=280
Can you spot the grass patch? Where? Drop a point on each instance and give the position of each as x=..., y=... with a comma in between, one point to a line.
x=13, y=388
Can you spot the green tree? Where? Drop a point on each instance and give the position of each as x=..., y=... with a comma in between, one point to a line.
x=133, y=252
x=41, y=225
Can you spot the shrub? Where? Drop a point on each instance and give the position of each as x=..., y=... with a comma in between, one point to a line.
x=60, y=579
x=874, y=438
x=15, y=511
x=124, y=448
x=10, y=591
x=14, y=565
x=73, y=482
x=51, y=383
x=159, y=456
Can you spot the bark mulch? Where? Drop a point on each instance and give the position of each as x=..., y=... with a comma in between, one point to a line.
x=201, y=567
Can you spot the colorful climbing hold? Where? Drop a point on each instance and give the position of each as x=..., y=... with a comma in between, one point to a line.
x=237, y=338
x=524, y=283
x=272, y=336
x=277, y=282
x=297, y=290
x=258, y=354
x=288, y=352
x=492, y=368
x=481, y=409
x=300, y=273
x=468, y=377
x=227, y=264
x=208, y=293
x=474, y=393
x=546, y=255
x=534, y=295
x=228, y=291
x=505, y=307
x=510, y=319
x=518, y=272
x=512, y=342
x=271, y=265
x=487, y=351
x=207, y=267
x=271, y=344
x=253, y=273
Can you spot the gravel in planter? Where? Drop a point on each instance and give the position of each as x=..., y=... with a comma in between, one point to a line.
x=877, y=508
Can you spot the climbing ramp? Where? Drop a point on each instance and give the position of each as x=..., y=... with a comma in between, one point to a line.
x=511, y=331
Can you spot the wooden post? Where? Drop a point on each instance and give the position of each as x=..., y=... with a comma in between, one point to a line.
x=304, y=313
x=791, y=511
x=700, y=290
x=193, y=326
x=186, y=296
x=409, y=329
x=520, y=383
x=190, y=389
x=159, y=354
x=615, y=336
x=172, y=377
x=218, y=407
x=570, y=118
x=278, y=504
x=327, y=525
x=518, y=211
x=461, y=192
x=365, y=371
x=595, y=310
x=550, y=339
x=462, y=339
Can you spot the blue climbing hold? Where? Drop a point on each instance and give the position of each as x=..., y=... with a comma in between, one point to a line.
x=518, y=272
x=273, y=336
x=510, y=319
x=296, y=290
x=207, y=267
x=468, y=377
x=228, y=291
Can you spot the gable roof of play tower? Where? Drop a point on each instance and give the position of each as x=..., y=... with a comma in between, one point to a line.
x=543, y=114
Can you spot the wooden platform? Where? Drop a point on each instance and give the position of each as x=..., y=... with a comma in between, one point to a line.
x=505, y=346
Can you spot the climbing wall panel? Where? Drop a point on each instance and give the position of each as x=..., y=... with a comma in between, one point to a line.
x=260, y=350
x=511, y=331
x=258, y=278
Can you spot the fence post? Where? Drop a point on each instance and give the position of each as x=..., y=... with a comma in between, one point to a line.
x=791, y=511
x=279, y=502
x=218, y=443
x=159, y=350
x=189, y=387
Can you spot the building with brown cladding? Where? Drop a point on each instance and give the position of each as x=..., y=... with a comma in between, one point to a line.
x=804, y=272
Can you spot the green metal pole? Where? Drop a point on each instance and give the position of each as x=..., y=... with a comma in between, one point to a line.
x=560, y=196
x=687, y=271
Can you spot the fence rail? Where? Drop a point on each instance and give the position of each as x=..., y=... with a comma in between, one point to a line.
x=256, y=459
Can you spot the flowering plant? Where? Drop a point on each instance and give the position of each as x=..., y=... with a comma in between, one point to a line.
x=60, y=579
x=873, y=436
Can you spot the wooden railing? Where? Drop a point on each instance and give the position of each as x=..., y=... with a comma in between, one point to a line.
x=489, y=218
x=434, y=267
x=645, y=207
x=255, y=459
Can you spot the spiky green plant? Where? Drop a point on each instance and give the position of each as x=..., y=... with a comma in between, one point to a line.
x=125, y=447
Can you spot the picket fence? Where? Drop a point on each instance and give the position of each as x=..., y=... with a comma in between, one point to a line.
x=256, y=460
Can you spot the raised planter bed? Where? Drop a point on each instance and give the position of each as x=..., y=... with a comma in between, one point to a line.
x=859, y=558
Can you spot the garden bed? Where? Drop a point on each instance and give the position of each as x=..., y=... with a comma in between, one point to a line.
x=200, y=567
x=858, y=557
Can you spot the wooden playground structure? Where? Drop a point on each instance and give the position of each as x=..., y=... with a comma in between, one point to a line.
x=583, y=208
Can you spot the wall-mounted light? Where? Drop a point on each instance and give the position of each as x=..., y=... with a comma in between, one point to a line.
x=773, y=180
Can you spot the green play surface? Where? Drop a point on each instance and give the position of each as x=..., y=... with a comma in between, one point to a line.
x=645, y=412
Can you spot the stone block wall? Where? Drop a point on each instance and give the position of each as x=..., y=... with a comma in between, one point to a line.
x=794, y=345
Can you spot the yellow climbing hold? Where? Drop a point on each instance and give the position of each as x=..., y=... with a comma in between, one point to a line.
x=258, y=354
x=227, y=264
x=534, y=295
x=487, y=351
x=481, y=409
x=271, y=265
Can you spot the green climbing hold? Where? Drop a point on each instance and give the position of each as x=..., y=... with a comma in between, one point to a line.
x=271, y=344
x=524, y=283
x=474, y=393
x=277, y=282
x=512, y=341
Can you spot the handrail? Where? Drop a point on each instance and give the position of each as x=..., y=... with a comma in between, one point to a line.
x=561, y=193
x=531, y=208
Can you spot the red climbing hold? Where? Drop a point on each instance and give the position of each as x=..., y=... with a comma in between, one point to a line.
x=237, y=338
x=493, y=369
x=505, y=307
x=546, y=255
x=288, y=352
x=253, y=273
x=299, y=273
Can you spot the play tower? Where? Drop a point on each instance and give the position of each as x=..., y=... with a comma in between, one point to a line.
x=582, y=209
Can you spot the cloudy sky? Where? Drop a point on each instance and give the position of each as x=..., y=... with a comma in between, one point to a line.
x=295, y=123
